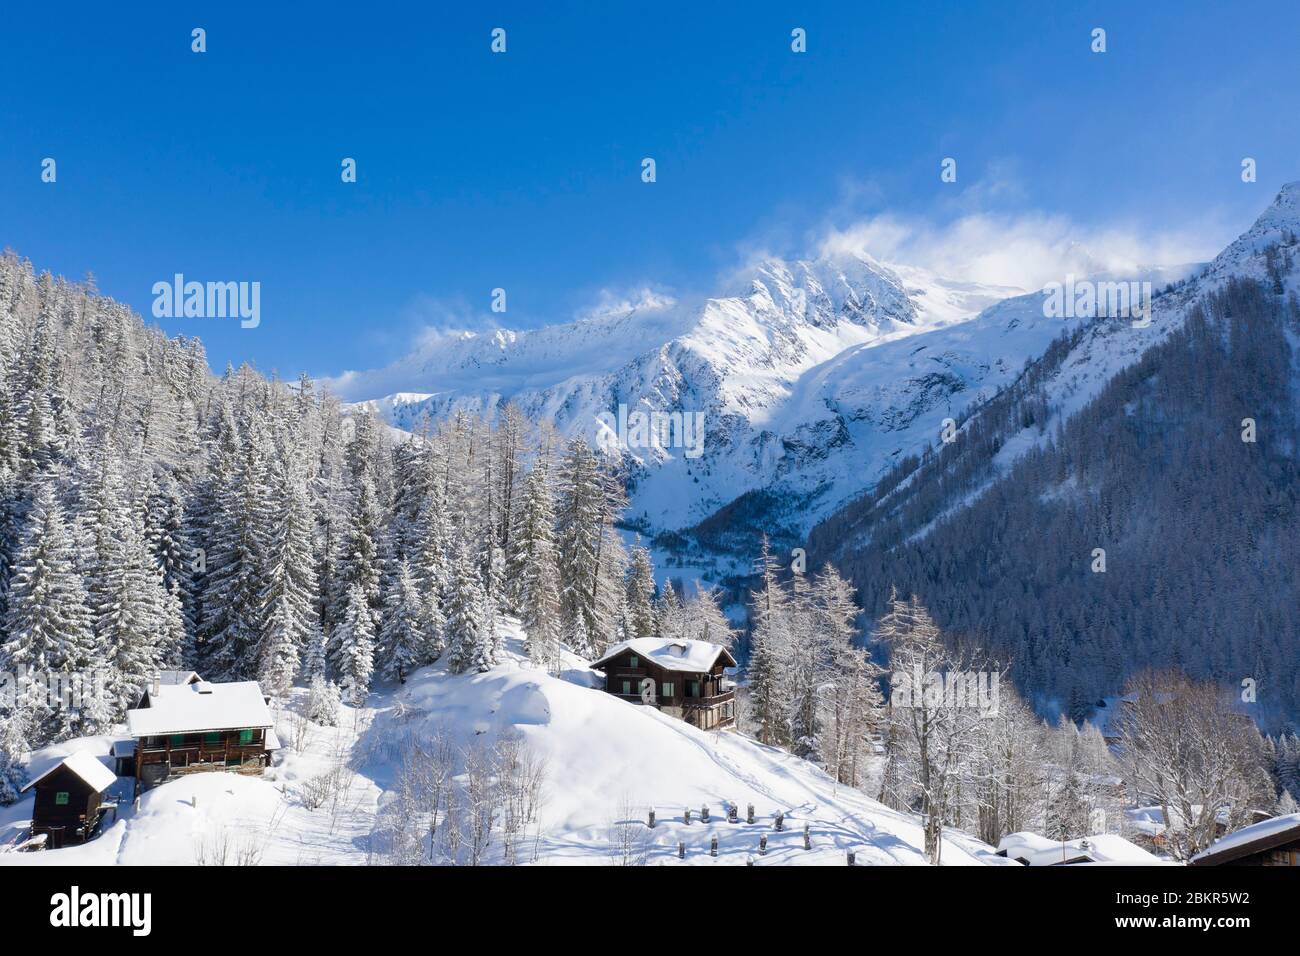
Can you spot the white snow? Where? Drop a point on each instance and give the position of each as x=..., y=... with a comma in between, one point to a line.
x=199, y=706
x=1249, y=834
x=671, y=655
x=602, y=755
x=1099, y=848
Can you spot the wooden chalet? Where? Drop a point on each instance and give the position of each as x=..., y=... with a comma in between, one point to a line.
x=193, y=725
x=1271, y=842
x=70, y=800
x=682, y=678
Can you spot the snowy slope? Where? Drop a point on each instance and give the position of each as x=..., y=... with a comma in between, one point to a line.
x=602, y=753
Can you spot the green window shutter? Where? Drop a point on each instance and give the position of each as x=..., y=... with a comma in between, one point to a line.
x=634, y=661
x=61, y=798
x=177, y=740
x=245, y=736
x=212, y=738
x=627, y=688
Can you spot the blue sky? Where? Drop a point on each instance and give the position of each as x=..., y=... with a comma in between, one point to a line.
x=522, y=170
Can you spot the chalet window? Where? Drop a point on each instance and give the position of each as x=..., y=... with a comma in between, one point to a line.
x=177, y=740
x=627, y=688
x=245, y=736
x=667, y=688
x=61, y=798
x=694, y=690
x=212, y=738
x=634, y=661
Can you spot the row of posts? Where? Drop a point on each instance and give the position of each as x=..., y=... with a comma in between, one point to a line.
x=778, y=823
x=733, y=816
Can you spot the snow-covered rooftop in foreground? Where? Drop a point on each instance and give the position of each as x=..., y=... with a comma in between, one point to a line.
x=1256, y=832
x=189, y=708
x=1038, y=850
x=671, y=655
x=86, y=766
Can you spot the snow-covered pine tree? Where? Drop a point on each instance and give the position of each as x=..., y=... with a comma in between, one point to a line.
x=138, y=622
x=314, y=661
x=167, y=531
x=668, y=612
x=278, y=652
x=288, y=596
x=358, y=564
x=430, y=561
x=494, y=575
x=402, y=643
x=354, y=652
x=591, y=556
x=640, y=594
x=769, y=651
x=464, y=612
x=235, y=583
x=13, y=749
x=701, y=618
x=533, y=576
x=808, y=671
x=854, y=702
x=48, y=627
x=323, y=702
x=487, y=649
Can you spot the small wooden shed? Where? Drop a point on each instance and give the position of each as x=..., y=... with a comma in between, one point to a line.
x=68, y=799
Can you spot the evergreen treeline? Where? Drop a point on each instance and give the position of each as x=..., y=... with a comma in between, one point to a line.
x=154, y=516
x=1198, y=523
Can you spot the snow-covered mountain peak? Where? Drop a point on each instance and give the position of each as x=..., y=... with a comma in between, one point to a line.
x=1252, y=254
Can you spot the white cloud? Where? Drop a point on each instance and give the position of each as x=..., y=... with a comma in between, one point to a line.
x=1023, y=250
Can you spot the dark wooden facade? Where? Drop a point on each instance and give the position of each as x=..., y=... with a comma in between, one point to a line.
x=698, y=698
x=157, y=758
x=67, y=809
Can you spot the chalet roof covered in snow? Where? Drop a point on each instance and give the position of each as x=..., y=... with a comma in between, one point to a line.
x=86, y=766
x=1252, y=839
x=672, y=654
x=188, y=708
x=1036, y=850
x=178, y=677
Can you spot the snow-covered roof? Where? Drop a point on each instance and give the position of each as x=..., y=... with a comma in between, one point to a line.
x=1273, y=831
x=671, y=654
x=86, y=766
x=272, y=742
x=178, y=677
x=188, y=708
x=1038, y=850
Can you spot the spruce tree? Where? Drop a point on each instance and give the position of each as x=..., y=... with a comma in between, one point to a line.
x=48, y=626
x=465, y=624
x=354, y=652
x=402, y=644
x=640, y=594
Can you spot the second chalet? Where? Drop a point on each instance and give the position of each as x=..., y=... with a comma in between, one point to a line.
x=684, y=679
x=185, y=724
